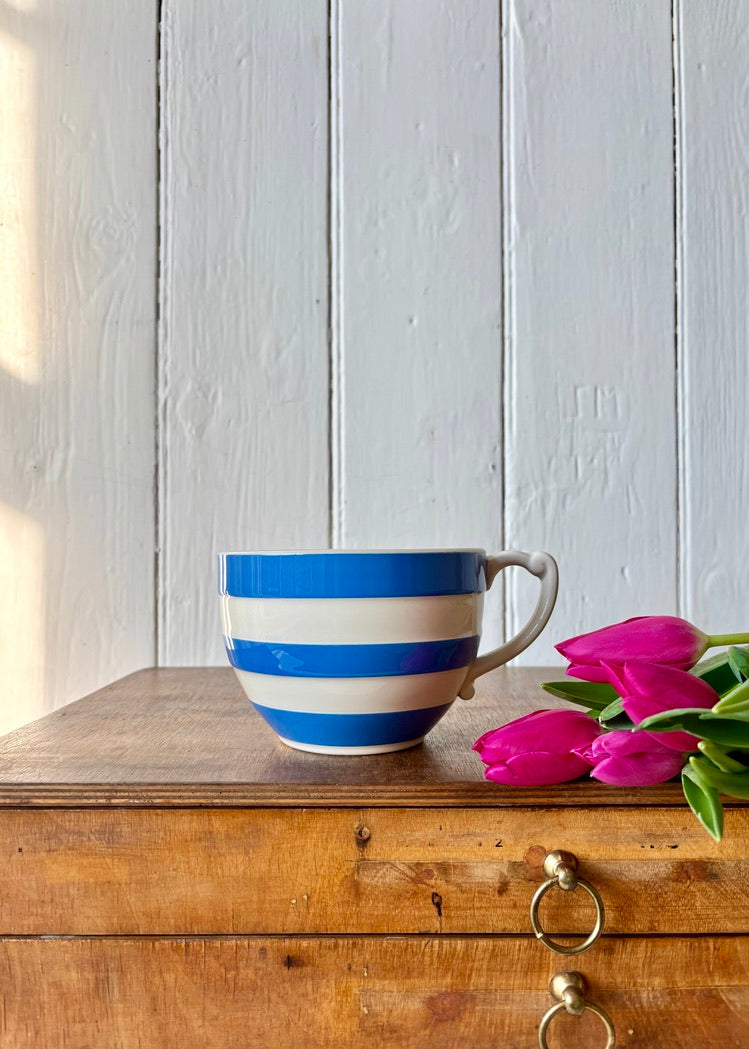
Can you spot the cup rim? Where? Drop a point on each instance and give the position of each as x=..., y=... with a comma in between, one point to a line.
x=368, y=551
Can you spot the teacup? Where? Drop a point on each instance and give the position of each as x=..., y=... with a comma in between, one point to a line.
x=362, y=652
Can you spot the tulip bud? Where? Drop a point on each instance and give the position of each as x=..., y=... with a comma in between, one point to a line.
x=665, y=640
x=648, y=689
x=632, y=759
x=539, y=748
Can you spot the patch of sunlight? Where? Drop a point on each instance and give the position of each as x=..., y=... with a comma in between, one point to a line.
x=19, y=350
x=21, y=619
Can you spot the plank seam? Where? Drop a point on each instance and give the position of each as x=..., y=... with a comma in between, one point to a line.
x=164, y=250
x=166, y=796
x=157, y=357
x=336, y=522
x=507, y=348
x=679, y=371
x=305, y=937
x=680, y=393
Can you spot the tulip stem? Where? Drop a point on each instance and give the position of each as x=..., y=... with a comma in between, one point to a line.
x=720, y=640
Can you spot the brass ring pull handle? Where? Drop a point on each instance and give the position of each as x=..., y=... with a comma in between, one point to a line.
x=561, y=871
x=569, y=989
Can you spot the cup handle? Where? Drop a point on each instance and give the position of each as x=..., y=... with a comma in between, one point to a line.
x=544, y=567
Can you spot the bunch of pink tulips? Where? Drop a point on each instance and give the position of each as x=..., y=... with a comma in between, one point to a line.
x=653, y=711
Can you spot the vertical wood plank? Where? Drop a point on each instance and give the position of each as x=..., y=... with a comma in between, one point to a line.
x=244, y=372
x=590, y=394
x=77, y=346
x=421, y=398
x=713, y=93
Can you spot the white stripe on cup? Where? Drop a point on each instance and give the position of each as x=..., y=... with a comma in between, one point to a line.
x=358, y=695
x=351, y=620
x=319, y=748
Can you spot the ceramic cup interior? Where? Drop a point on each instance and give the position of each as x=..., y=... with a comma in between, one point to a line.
x=353, y=652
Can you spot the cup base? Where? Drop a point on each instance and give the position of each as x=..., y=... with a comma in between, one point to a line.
x=380, y=748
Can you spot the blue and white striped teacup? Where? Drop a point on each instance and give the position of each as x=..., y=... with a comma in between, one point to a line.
x=353, y=652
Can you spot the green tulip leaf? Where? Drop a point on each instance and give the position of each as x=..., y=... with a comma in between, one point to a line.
x=733, y=784
x=735, y=701
x=737, y=714
x=591, y=694
x=738, y=661
x=704, y=802
x=721, y=757
x=716, y=672
x=615, y=716
x=621, y=721
x=613, y=710
x=728, y=732
x=732, y=733
x=682, y=719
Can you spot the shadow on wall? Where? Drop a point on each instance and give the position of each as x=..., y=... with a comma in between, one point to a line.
x=75, y=472
x=22, y=613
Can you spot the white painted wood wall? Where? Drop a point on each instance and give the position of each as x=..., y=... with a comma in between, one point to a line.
x=299, y=273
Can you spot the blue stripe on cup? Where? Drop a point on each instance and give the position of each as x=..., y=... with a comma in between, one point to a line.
x=349, y=661
x=397, y=574
x=352, y=730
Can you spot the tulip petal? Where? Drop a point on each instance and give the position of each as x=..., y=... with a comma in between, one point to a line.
x=665, y=640
x=622, y=742
x=483, y=743
x=552, y=731
x=670, y=687
x=650, y=689
x=676, y=740
x=632, y=759
x=615, y=677
x=585, y=753
x=585, y=673
x=538, y=769
x=631, y=772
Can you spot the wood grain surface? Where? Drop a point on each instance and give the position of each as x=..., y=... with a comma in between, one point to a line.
x=173, y=878
x=349, y=993
x=207, y=871
x=189, y=737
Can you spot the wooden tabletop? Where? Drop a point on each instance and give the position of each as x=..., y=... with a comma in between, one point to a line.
x=189, y=737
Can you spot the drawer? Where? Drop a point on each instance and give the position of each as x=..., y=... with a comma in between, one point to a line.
x=247, y=871
x=363, y=993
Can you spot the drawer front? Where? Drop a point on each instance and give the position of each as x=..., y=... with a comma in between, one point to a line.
x=230, y=871
x=348, y=993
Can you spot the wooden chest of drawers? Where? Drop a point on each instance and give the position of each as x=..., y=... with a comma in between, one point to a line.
x=172, y=876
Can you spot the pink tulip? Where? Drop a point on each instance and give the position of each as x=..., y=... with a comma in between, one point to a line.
x=539, y=748
x=632, y=759
x=648, y=689
x=666, y=640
